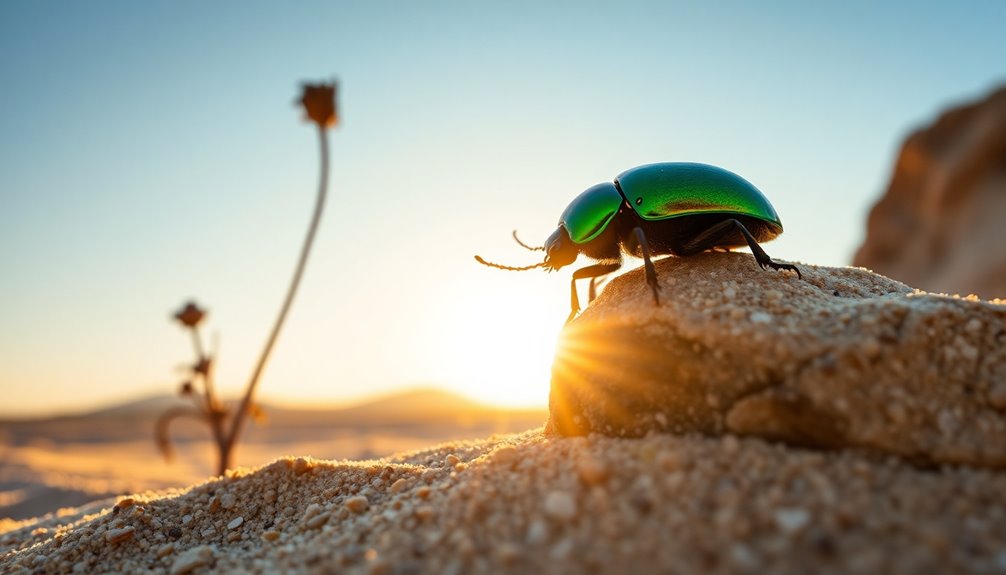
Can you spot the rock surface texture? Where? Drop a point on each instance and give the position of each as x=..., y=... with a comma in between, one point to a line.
x=843, y=358
x=939, y=225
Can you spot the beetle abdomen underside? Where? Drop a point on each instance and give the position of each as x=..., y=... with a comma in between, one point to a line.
x=673, y=236
x=676, y=189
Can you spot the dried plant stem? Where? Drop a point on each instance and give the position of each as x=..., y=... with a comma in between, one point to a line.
x=213, y=414
x=202, y=358
x=228, y=441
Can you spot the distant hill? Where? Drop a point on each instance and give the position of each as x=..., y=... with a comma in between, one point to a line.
x=418, y=399
x=417, y=411
x=143, y=407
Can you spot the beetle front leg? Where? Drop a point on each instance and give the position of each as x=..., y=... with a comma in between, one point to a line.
x=584, y=273
x=651, y=273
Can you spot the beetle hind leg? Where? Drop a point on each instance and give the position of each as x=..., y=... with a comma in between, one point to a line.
x=710, y=237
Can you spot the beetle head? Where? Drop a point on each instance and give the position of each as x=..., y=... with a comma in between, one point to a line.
x=559, y=249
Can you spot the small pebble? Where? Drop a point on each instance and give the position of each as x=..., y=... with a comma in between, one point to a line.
x=399, y=485
x=452, y=460
x=318, y=520
x=537, y=532
x=191, y=559
x=119, y=535
x=591, y=471
x=166, y=549
x=561, y=550
x=560, y=505
x=791, y=520
x=508, y=553
x=505, y=455
x=357, y=504
x=742, y=556
x=301, y=466
x=236, y=522
x=424, y=513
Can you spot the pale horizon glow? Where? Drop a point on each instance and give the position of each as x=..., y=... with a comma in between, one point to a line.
x=150, y=154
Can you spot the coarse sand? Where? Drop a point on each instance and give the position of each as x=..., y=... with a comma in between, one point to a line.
x=532, y=503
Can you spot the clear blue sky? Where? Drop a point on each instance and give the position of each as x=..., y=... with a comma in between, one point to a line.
x=149, y=153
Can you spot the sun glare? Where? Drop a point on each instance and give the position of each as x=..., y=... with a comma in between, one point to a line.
x=501, y=348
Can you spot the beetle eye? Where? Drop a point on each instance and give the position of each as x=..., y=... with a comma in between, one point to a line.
x=559, y=249
x=639, y=200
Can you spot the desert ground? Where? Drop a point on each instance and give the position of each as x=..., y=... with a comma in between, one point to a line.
x=833, y=442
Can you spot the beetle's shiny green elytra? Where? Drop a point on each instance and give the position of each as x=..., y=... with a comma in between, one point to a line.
x=590, y=212
x=667, y=190
x=675, y=189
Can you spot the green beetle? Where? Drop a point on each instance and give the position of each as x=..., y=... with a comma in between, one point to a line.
x=675, y=208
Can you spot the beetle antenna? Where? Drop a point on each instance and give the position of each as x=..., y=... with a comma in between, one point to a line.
x=508, y=268
x=525, y=246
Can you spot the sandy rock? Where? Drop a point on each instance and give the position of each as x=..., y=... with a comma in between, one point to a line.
x=840, y=358
x=939, y=224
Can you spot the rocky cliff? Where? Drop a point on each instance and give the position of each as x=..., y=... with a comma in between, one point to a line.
x=941, y=224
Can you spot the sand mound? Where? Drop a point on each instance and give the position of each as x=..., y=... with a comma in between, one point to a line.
x=530, y=503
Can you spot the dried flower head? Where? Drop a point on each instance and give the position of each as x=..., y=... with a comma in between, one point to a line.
x=190, y=315
x=186, y=388
x=258, y=414
x=319, y=104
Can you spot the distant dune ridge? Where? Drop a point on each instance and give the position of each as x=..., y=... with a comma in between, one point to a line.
x=888, y=495
x=73, y=459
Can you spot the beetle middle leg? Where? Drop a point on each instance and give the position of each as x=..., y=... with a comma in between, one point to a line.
x=584, y=273
x=711, y=237
x=651, y=273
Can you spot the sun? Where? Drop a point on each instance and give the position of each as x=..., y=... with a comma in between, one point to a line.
x=500, y=345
